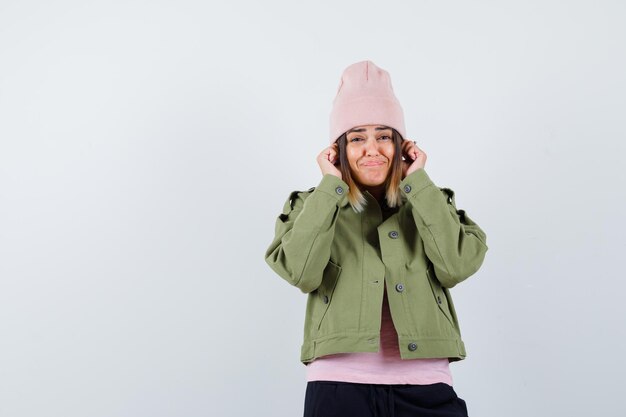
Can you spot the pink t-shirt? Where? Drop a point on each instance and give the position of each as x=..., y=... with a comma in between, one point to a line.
x=382, y=367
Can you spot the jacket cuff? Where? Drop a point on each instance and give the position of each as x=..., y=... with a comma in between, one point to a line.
x=415, y=182
x=334, y=187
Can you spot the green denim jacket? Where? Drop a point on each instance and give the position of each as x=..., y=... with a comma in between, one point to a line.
x=342, y=259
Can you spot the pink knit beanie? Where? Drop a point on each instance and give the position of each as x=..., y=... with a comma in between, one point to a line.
x=365, y=97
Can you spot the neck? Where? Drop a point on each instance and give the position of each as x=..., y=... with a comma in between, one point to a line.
x=378, y=192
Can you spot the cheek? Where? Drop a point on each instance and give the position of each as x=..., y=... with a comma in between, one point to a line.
x=352, y=156
x=390, y=152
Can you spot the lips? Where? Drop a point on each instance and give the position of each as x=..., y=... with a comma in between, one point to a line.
x=373, y=163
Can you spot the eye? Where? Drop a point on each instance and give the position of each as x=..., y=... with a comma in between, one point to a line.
x=387, y=137
x=354, y=139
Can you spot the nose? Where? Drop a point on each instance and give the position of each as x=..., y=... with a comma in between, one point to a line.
x=371, y=147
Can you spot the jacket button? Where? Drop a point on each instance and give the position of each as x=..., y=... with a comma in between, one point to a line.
x=412, y=346
x=399, y=287
x=325, y=299
x=339, y=190
x=407, y=188
x=393, y=234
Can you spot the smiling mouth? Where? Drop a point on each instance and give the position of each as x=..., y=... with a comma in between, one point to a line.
x=373, y=164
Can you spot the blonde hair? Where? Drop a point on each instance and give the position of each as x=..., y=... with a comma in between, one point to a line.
x=392, y=183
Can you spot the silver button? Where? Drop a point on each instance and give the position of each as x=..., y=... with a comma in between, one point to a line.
x=407, y=188
x=339, y=190
x=399, y=287
x=412, y=346
x=325, y=299
x=393, y=234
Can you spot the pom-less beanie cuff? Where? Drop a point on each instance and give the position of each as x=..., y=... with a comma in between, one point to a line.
x=365, y=96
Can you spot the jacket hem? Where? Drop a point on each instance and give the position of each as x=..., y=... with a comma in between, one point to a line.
x=410, y=347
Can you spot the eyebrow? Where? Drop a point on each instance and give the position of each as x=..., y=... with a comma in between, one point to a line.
x=363, y=130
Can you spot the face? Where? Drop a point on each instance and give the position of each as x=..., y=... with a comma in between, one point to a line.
x=370, y=150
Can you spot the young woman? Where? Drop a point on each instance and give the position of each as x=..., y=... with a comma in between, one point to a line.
x=376, y=246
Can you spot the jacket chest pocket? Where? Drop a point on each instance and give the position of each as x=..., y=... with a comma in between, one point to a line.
x=441, y=296
x=320, y=299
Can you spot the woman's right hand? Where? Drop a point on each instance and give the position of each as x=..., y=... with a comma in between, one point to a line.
x=327, y=160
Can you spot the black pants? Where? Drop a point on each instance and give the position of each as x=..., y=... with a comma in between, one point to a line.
x=348, y=399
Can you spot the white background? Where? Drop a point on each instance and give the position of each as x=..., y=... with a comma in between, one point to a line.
x=147, y=147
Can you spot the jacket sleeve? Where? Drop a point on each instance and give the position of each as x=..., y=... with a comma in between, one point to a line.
x=453, y=242
x=304, y=233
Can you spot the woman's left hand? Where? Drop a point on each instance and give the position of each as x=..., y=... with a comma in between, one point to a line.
x=415, y=158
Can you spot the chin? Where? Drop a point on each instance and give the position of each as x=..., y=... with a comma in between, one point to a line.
x=373, y=182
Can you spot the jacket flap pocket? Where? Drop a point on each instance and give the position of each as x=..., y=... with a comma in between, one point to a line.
x=438, y=293
x=329, y=280
x=324, y=292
